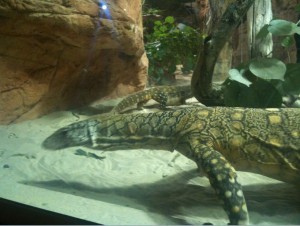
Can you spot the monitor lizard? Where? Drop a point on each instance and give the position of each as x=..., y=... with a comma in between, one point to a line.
x=219, y=139
x=164, y=95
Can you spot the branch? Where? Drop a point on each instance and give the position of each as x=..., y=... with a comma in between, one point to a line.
x=201, y=83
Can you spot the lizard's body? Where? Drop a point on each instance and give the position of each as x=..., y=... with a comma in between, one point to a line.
x=164, y=95
x=217, y=139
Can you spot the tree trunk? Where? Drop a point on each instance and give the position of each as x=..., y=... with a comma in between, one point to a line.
x=245, y=45
x=209, y=16
x=259, y=15
x=229, y=15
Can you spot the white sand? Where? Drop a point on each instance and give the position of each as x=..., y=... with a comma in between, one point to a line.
x=138, y=187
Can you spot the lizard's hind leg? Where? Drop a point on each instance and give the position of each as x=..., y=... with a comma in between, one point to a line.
x=223, y=179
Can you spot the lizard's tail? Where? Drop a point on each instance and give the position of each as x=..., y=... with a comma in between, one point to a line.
x=76, y=134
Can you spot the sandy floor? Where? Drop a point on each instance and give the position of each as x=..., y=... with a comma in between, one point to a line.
x=125, y=187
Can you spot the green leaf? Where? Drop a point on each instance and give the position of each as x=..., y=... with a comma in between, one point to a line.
x=297, y=9
x=237, y=75
x=267, y=95
x=188, y=64
x=263, y=32
x=287, y=42
x=158, y=23
x=291, y=84
x=232, y=91
x=175, y=47
x=169, y=19
x=163, y=29
x=268, y=68
x=283, y=27
x=261, y=94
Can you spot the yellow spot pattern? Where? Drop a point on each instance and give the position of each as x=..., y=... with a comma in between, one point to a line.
x=275, y=119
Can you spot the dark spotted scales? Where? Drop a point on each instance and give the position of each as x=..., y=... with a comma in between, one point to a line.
x=164, y=95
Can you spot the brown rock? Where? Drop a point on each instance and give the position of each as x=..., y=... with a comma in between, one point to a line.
x=63, y=54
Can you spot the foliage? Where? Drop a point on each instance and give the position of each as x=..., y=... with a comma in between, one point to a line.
x=262, y=82
x=260, y=94
x=169, y=45
x=151, y=11
x=169, y=6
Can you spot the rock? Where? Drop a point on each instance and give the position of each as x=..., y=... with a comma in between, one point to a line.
x=62, y=54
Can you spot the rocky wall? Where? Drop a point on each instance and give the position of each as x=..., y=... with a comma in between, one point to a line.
x=62, y=54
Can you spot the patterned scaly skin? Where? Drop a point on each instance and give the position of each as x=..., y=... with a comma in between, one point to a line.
x=164, y=95
x=219, y=140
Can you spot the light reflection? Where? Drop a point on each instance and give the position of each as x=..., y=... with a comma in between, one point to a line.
x=104, y=9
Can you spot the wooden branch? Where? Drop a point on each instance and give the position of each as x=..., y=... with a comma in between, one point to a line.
x=201, y=83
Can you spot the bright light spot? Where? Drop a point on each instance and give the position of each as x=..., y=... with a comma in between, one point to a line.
x=125, y=9
x=104, y=7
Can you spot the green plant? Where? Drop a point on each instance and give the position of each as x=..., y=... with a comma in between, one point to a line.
x=151, y=11
x=167, y=46
x=262, y=82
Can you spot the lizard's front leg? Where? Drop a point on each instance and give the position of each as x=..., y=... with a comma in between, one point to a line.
x=223, y=179
x=161, y=98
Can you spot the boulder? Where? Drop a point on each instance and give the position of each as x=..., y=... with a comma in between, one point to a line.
x=62, y=54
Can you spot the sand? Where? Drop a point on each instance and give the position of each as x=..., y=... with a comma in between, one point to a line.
x=140, y=187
